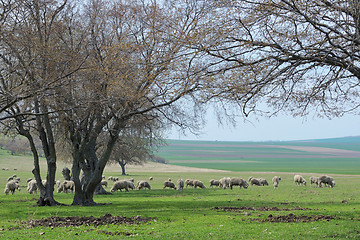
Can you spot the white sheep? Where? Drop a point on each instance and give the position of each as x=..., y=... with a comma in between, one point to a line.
x=326, y=180
x=235, y=181
x=169, y=185
x=263, y=182
x=189, y=182
x=214, y=182
x=299, y=180
x=11, y=187
x=314, y=180
x=119, y=185
x=150, y=178
x=66, y=186
x=104, y=183
x=198, y=183
x=28, y=180
x=254, y=181
x=275, y=181
x=224, y=182
x=32, y=187
x=180, y=184
x=131, y=185
x=143, y=184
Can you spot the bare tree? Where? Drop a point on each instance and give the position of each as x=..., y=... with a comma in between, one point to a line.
x=297, y=56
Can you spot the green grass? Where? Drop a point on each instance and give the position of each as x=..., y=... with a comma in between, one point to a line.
x=191, y=213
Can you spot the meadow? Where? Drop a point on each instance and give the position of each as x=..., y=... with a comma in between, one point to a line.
x=289, y=212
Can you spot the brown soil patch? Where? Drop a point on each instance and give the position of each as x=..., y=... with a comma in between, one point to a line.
x=293, y=218
x=87, y=221
x=240, y=209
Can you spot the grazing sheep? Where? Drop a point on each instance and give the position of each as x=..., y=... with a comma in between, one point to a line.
x=198, y=183
x=238, y=182
x=254, y=181
x=58, y=183
x=299, y=180
x=122, y=184
x=169, y=185
x=180, y=184
x=150, y=178
x=314, y=180
x=143, y=184
x=111, y=178
x=169, y=179
x=104, y=183
x=66, y=186
x=275, y=181
x=11, y=187
x=103, y=177
x=131, y=185
x=14, y=176
x=326, y=180
x=263, y=182
x=214, y=182
x=10, y=179
x=15, y=169
x=131, y=180
x=32, y=187
x=224, y=182
x=189, y=182
x=28, y=180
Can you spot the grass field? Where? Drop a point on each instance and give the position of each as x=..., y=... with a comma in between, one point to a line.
x=289, y=212
x=303, y=156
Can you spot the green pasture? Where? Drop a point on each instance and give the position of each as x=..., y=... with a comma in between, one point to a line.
x=196, y=213
x=266, y=156
x=200, y=213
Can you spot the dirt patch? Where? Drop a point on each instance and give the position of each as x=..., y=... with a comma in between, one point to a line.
x=240, y=209
x=87, y=221
x=290, y=218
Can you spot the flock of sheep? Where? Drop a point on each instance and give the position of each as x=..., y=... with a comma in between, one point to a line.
x=126, y=184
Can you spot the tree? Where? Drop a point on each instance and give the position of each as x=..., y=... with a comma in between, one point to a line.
x=36, y=61
x=294, y=55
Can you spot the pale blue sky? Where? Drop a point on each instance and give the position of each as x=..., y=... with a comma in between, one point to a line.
x=281, y=128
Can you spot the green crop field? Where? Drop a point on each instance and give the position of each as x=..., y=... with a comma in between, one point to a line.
x=336, y=156
x=289, y=212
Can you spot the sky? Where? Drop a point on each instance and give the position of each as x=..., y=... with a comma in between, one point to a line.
x=282, y=128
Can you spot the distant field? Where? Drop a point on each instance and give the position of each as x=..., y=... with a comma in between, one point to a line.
x=303, y=156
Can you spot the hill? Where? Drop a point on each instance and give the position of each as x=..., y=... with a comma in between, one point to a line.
x=338, y=155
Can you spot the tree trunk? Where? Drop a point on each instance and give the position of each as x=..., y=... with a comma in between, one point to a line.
x=122, y=165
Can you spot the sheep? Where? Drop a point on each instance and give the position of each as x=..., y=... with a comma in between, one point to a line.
x=275, y=181
x=224, y=182
x=131, y=185
x=131, y=180
x=10, y=179
x=299, y=180
x=238, y=182
x=14, y=176
x=254, y=181
x=104, y=183
x=263, y=182
x=28, y=180
x=169, y=185
x=122, y=184
x=313, y=180
x=189, y=182
x=150, y=178
x=143, y=184
x=214, y=182
x=66, y=186
x=58, y=183
x=103, y=177
x=180, y=184
x=32, y=187
x=326, y=180
x=111, y=178
x=11, y=187
x=198, y=183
